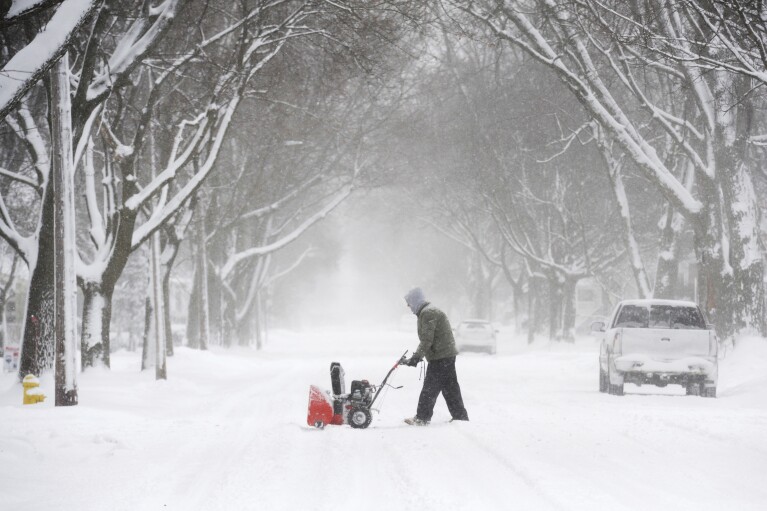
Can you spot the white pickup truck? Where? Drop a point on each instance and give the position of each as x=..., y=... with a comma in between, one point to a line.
x=657, y=342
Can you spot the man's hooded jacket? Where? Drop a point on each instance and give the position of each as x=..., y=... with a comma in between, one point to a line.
x=434, y=331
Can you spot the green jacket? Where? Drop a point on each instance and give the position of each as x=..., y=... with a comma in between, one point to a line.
x=435, y=334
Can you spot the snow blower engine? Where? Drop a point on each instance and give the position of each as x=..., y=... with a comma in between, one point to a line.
x=341, y=408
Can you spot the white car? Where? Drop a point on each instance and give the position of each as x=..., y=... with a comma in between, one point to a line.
x=657, y=342
x=476, y=335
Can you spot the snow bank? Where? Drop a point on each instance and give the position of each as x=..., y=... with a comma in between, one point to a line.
x=743, y=371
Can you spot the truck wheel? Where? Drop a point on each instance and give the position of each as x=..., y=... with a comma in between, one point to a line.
x=615, y=390
x=602, y=381
x=359, y=417
x=692, y=389
x=709, y=392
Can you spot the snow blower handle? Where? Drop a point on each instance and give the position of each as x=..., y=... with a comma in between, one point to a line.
x=383, y=383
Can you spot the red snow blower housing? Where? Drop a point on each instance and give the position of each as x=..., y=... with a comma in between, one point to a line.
x=341, y=408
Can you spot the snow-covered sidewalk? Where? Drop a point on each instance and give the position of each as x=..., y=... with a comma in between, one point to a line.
x=227, y=431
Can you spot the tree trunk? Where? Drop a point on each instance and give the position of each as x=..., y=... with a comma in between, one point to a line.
x=3, y=327
x=97, y=316
x=174, y=236
x=132, y=340
x=481, y=282
x=37, y=346
x=552, y=310
x=260, y=319
x=229, y=324
x=192, y=318
x=203, y=299
x=244, y=331
x=556, y=296
x=517, y=303
x=146, y=351
x=264, y=317
x=568, y=310
x=713, y=270
x=518, y=289
x=745, y=254
x=667, y=272
x=166, y=269
x=534, y=308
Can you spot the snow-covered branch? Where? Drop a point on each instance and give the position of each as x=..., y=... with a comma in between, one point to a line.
x=239, y=257
x=176, y=161
x=143, y=232
x=142, y=35
x=587, y=86
x=29, y=64
x=19, y=178
x=20, y=9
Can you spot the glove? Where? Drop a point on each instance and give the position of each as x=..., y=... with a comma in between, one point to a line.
x=412, y=361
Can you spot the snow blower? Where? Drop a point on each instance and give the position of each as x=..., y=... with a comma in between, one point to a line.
x=341, y=408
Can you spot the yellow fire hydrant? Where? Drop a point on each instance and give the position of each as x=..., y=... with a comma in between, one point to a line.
x=32, y=392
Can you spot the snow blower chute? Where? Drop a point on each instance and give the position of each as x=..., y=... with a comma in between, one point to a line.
x=341, y=408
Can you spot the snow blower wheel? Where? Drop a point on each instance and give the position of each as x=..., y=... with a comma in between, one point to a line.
x=341, y=408
x=359, y=417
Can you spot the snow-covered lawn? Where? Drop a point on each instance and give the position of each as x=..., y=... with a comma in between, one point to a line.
x=227, y=431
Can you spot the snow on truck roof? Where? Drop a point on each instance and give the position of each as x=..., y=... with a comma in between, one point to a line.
x=652, y=301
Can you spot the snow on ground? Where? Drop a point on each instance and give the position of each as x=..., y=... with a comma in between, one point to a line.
x=227, y=432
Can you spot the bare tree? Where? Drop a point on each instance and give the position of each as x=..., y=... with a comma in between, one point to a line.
x=253, y=39
x=598, y=51
x=106, y=61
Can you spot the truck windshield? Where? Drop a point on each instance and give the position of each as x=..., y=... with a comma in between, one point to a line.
x=660, y=316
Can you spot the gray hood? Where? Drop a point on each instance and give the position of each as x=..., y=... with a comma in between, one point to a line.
x=415, y=299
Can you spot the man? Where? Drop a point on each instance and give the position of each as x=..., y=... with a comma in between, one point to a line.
x=438, y=347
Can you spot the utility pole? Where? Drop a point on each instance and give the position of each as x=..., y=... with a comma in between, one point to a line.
x=65, y=290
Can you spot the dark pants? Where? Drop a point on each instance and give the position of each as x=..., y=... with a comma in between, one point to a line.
x=441, y=377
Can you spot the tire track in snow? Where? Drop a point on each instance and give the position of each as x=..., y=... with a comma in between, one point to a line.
x=203, y=478
x=282, y=449
x=519, y=473
x=720, y=438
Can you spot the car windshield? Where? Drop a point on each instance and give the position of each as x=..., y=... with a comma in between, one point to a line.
x=660, y=316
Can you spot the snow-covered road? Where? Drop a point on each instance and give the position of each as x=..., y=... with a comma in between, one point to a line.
x=227, y=431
